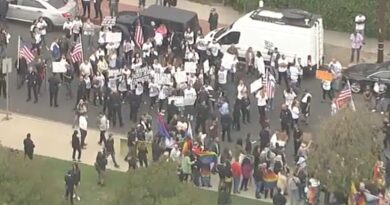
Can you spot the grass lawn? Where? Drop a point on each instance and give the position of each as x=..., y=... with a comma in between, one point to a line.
x=92, y=194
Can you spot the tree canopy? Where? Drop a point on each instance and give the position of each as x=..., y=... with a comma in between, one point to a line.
x=345, y=149
x=23, y=182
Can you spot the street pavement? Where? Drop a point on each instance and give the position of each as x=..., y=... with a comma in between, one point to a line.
x=51, y=127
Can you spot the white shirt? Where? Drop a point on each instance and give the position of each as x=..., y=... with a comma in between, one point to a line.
x=41, y=25
x=360, y=22
x=88, y=84
x=190, y=93
x=128, y=46
x=356, y=40
x=146, y=47
x=83, y=123
x=294, y=112
x=102, y=37
x=283, y=63
x=261, y=101
x=189, y=37
x=214, y=48
x=158, y=68
x=201, y=43
x=158, y=38
x=259, y=64
x=77, y=25
x=241, y=90
x=86, y=68
x=139, y=90
x=294, y=73
x=289, y=97
x=37, y=37
x=68, y=25
x=153, y=89
x=306, y=97
x=222, y=77
x=326, y=85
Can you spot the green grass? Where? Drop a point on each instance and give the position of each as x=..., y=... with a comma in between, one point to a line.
x=92, y=194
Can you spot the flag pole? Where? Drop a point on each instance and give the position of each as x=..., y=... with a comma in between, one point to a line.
x=17, y=60
x=82, y=49
x=352, y=102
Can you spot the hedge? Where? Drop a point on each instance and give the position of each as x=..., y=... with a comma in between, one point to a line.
x=338, y=15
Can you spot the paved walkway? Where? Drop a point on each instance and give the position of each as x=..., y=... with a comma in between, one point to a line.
x=53, y=139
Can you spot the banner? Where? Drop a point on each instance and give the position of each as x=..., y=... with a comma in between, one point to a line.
x=179, y=100
x=181, y=77
x=163, y=79
x=59, y=67
x=256, y=85
x=228, y=61
x=112, y=84
x=141, y=75
x=114, y=37
x=189, y=99
x=190, y=67
x=324, y=75
x=114, y=73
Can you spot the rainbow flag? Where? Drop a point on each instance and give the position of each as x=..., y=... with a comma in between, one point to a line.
x=270, y=179
x=162, y=126
x=208, y=157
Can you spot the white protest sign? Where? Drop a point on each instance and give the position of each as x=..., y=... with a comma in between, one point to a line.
x=256, y=85
x=141, y=74
x=181, y=77
x=112, y=84
x=7, y=65
x=189, y=98
x=114, y=73
x=114, y=37
x=59, y=67
x=228, y=61
x=178, y=100
x=163, y=79
x=190, y=67
x=206, y=66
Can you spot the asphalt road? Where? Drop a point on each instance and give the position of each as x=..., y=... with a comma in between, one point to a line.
x=64, y=113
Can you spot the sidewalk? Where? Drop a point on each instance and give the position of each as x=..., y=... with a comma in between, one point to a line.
x=53, y=139
x=228, y=15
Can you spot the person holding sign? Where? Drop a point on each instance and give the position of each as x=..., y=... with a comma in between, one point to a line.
x=222, y=78
x=282, y=69
x=153, y=93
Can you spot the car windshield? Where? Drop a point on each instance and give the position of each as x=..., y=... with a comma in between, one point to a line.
x=222, y=31
x=57, y=3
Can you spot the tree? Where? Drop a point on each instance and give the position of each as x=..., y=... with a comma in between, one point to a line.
x=157, y=184
x=23, y=182
x=345, y=150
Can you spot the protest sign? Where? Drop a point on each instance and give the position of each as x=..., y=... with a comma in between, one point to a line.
x=189, y=98
x=256, y=85
x=114, y=73
x=141, y=74
x=228, y=60
x=190, y=67
x=163, y=79
x=181, y=77
x=179, y=100
x=59, y=67
x=324, y=75
x=112, y=84
x=114, y=37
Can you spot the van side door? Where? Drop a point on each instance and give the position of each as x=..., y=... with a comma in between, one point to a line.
x=231, y=38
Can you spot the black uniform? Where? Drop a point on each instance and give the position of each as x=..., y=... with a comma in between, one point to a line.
x=69, y=186
x=32, y=83
x=21, y=69
x=3, y=84
x=116, y=106
x=54, y=84
x=28, y=148
x=226, y=122
x=76, y=145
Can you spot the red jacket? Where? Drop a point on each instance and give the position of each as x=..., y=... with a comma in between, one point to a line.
x=236, y=169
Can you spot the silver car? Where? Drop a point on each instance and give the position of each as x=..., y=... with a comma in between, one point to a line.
x=55, y=12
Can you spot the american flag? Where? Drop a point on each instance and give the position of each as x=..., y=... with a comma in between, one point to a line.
x=344, y=97
x=268, y=85
x=25, y=51
x=139, y=36
x=77, y=53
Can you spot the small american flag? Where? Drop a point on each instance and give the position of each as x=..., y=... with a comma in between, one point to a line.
x=77, y=53
x=268, y=85
x=25, y=52
x=344, y=97
x=139, y=36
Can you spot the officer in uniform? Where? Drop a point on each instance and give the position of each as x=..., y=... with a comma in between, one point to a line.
x=116, y=106
x=32, y=84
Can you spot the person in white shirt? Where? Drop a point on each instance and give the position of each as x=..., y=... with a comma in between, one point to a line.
x=241, y=90
x=360, y=21
x=294, y=76
x=83, y=125
x=357, y=43
x=42, y=25
x=326, y=90
x=146, y=50
x=76, y=28
x=215, y=49
x=259, y=64
x=261, y=104
x=89, y=32
x=305, y=105
x=88, y=87
x=222, y=78
x=191, y=55
x=102, y=37
x=282, y=70
x=37, y=42
x=157, y=67
x=295, y=112
x=289, y=96
x=189, y=93
x=128, y=49
x=250, y=61
x=86, y=68
x=201, y=45
x=189, y=36
x=153, y=92
x=102, y=66
x=162, y=96
x=67, y=27
x=98, y=84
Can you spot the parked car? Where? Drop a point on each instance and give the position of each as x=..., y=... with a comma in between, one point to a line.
x=55, y=12
x=361, y=75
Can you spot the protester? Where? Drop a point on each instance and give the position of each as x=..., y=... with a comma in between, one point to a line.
x=28, y=147
x=110, y=150
x=100, y=166
x=76, y=146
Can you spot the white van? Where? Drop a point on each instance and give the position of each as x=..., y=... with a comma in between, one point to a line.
x=296, y=34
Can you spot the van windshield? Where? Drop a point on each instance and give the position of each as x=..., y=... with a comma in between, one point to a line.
x=222, y=31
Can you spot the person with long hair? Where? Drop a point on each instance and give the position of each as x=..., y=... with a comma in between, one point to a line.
x=76, y=179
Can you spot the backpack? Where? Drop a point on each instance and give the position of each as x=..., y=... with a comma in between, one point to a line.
x=56, y=52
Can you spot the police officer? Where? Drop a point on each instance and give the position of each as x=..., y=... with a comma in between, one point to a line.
x=69, y=186
x=3, y=84
x=116, y=106
x=32, y=83
x=54, y=84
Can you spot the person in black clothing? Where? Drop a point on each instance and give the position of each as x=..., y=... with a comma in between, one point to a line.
x=134, y=102
x=213, y=19
x=171, y=111
x=202, y=116
x=32, y=83
x=156, y=150
x=3, y=84
x=100, y=166
x=21, y=69
x=54, y=85
x=142, y=154
x=116, y=106
x=76, y=146
x=297, y=135
x=223, y=196
x=285, y=119
x=69, y=186
x=265, y=138
x=237, y=115
x=76, y=173
x=245, y=109
x=81, y=90
x=98, y=9
x=28, y=147
x=226, y=122
x=110, y=151
x=248, y=143
x=279, y=199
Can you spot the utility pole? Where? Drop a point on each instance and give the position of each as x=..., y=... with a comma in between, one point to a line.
x=381, y=15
